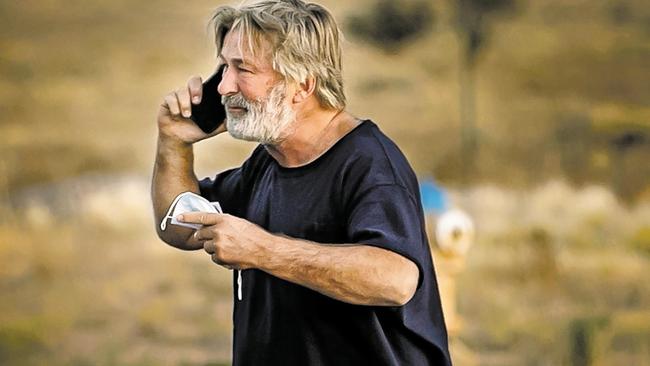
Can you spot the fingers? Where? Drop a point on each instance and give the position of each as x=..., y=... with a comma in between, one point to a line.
x=211, y=248
x=195, y=86
x=215, y=259
x=171, y=102
x=203, y=218
x=206, y=233
x=183, y=96
x=178, y=102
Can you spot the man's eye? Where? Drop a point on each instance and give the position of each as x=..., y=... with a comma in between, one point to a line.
x=243, y=69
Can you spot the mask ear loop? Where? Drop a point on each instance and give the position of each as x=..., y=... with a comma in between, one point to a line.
x=163, y=223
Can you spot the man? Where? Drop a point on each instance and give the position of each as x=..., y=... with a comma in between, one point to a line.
x=324, y=219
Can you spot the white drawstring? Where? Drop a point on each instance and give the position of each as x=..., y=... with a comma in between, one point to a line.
x=239, y=284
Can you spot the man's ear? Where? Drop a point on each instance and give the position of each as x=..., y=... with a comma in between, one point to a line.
x=305, y=90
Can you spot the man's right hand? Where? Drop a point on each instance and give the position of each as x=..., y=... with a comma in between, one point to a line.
x=174, y=115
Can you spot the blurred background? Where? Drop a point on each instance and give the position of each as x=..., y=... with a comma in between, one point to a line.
x=532, y=117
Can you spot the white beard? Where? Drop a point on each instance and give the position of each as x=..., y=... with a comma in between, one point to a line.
x=265, y=120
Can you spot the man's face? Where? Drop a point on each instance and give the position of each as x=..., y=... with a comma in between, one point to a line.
x=254, y=94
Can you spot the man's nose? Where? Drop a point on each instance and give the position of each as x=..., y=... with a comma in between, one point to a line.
x=228, y=84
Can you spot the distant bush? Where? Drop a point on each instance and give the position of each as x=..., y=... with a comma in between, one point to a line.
x=389, y=24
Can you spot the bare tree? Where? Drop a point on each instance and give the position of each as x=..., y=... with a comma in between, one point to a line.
x=473, y=19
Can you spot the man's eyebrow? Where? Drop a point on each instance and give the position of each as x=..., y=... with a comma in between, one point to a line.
x=236, y=61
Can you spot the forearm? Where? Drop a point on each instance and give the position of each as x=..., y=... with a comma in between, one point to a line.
x=357, y=274
x=173, y=174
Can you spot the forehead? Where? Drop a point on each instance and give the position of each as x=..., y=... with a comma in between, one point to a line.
x=237, y=48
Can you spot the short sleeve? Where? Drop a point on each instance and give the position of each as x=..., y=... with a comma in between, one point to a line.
x=231, y=188
x=386, y=216
x=226, y=188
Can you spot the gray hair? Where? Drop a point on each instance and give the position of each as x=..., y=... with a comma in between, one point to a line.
x=304, y=39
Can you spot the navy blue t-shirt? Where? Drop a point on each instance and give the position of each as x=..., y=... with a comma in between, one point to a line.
x=363, y=191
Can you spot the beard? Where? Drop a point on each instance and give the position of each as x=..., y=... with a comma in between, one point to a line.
x=266, y=120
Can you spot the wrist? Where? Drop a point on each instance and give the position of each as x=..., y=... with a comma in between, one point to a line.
x=172, y=143
x=267, y=253
x=174, y=154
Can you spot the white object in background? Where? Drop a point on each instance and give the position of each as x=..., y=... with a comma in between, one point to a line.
x=454, y=232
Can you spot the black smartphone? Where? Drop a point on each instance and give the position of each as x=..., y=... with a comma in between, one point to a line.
x=210, y=113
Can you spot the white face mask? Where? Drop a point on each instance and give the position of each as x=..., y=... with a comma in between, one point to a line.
x=192, y=202
x=188, y=202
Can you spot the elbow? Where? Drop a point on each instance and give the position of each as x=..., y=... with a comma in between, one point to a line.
x=167, y=239
x=405, y=284
x=178, y=238
x=166, y=236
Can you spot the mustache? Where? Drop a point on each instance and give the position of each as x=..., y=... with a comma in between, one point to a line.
x=236, y=100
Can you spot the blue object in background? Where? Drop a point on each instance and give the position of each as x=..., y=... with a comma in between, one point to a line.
x=434, y=198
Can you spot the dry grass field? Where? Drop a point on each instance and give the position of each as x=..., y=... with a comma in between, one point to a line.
x=558, y=272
